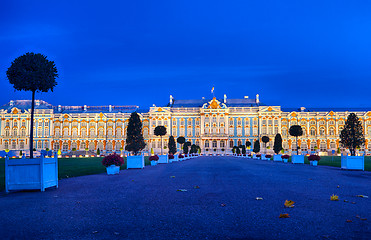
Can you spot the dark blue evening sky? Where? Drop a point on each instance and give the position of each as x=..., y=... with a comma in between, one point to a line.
x=293, y=53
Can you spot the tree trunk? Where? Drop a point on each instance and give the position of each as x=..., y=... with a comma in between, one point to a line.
x=297, y=147
x=161, y=145
x=31, y=129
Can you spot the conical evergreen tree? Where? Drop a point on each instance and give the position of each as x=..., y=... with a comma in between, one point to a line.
x=134, y=137
x=277, y=147
x=352, y=134
x=256, y=146
x=172, y=145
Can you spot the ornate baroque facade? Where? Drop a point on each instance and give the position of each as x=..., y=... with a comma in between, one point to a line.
x=213, y=124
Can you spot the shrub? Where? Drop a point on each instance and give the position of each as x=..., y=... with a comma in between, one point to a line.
x=171, y=156
x=285, y=156
x=180, y=156
x=314, y=158
x=112, y=159
x=268, y=156
x=153, y=158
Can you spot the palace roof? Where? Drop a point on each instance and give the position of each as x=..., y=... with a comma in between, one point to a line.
x=243, y=102
x=25, y=105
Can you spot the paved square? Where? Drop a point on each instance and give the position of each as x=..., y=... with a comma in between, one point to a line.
x=145, y=204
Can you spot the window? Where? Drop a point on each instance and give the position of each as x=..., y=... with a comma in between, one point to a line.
x=264, y=130
x=21, y=145
x=255, y=121
x=214, y=119
x=231, y=144
x=23, y=123
x=91, y=146
x=214, y=144
x=197, y=121
x=331, y=132
x=73, y=145
x=7, y=133
x=100, y=132
x=100, y=145
x=82, y=146
x=313, y=132
x=275, y=129
x=293, y=146
x=65, y=146
x=15, y=123
x=322, y=122
x=270, y=122
x=270, y=130
x=39, y=132
x=7, y=124
x=6, y=145
x=56, y=146
x=15, y=132
x=109, y=146
x=39, y=144
x=182, y=122
x=174, y=131
x=222, y=144
x=197, y=143
x=239, y=142
x=247, y=131
x=332, y=122
x=23, y=132
x=333, y=145
x=239, y=122
x=118, y=146
x=65, y=132
x=284, y=132
x=14, y=145
x=312, y=122
x=285, y=146
x=239, y=131
x=264, y=122
x=206, y=143
x=231, y=131
x=323, y=147
x=83, y=132
x=304, y=147
x=181, y=131
x=322, y=131
x=92, y=132
x=303, y=123
x=174, y=122
x=275, y=122
x=313, y=146
x=255, y=131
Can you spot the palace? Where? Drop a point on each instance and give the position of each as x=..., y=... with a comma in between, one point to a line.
x=216, y=125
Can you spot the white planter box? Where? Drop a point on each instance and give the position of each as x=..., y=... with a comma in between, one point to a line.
x=113, y=170
x=153, y=163
x=297, y=159
x=135, y=161
x=163, y=159
x=353, y=162
x=277, y=158
x=176, y=158
x=36, y=173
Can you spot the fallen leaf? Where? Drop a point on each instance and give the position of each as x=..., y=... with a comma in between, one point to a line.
x=172, y=176
x=259, y=198
x=223, y=204
x=284, y=215
x=334, y=197
x=182, y=190
x=362, y=196
x=289, y=204
x=196, y=187
x=348, y=221
x=363, y=219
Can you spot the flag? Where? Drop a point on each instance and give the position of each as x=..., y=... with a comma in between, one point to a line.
x=212, y=90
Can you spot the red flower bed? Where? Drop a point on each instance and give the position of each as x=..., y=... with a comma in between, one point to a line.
x=171, y=156
x=180, y=156
x=112, y=159
x=314, y=158
x=153, y=158
x=268, y=156
x=258, y=155
x=285, y=156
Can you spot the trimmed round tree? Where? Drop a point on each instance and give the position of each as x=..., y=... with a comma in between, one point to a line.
x=352, y=135
x=256, y=146
x=160, y=131
x=185, y=147
x=296, y=131
x=172, y=145
x=248, y=144
x=265, y=140
x=243, y=149
x=193, y=148
x=181, y=141
x=134, y=137
x=277, y=147
x=35, y=73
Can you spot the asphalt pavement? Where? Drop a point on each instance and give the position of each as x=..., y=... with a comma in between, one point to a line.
x=218, y=200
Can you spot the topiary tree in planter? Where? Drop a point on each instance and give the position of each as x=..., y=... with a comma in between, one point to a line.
x=160, y=131
x=172, y=145
x=352, y=135
x=98, y=151
x=277, y=147
x=248, y=144
x=193, y=148
x=238, y=151
x=243, y=149
x=296, y=131
x=181, y=141
x=234, y=149
x=35, y=73
x=265, y=140
x=256, y=146
x=185, y=147
x=134, y=137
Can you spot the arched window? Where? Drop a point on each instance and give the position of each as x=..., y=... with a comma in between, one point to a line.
x=323, y=147
x=285, y=146
x=231, y=144
x=91, y=146
x=92, y=132
x=197, y=143
x=15, y=132
x=100, y=146
x=239, y=142
x=65, y=132
x=14, y=145
x=23, y=132
x=109, y=146
x=56, y=146
x=331, y=132
x=118, y=146
x=214, y=144
x=74, y=145
x=82, y=146
x=322, y=131
x=21, y=145
x=206, y=143
x=304, y=146
x=313, y=146
x=65, y=146
x=222, y=145
x=313, y=132
x=333, y=145
x=6, y=145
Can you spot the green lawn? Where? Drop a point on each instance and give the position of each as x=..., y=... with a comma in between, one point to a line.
x=72, y=167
